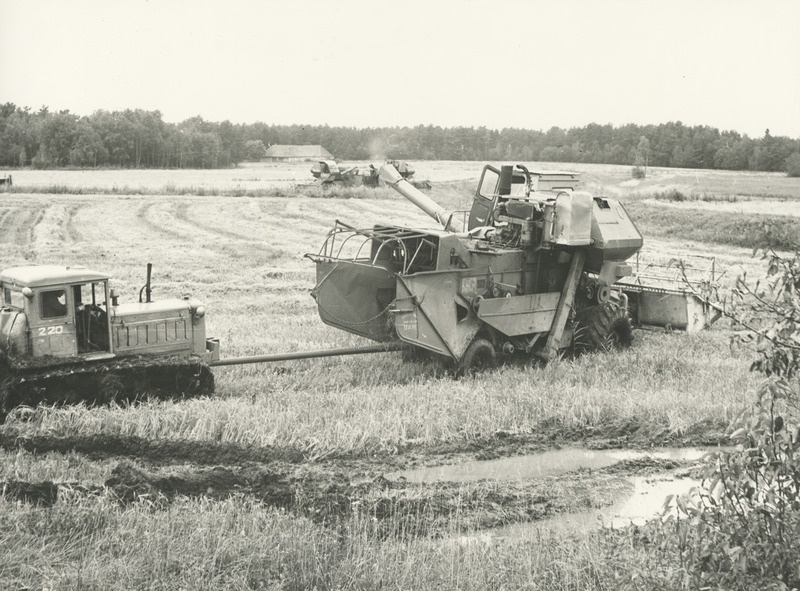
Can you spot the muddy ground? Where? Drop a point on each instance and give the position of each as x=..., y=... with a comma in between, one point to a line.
x=333, y=490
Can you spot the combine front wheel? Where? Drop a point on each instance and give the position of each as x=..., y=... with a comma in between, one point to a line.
x=602, y=328
x=480, y=356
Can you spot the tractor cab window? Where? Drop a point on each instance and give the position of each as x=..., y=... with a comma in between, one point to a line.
x=54, y=303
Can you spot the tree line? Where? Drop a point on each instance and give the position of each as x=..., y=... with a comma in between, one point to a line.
x=136, y=138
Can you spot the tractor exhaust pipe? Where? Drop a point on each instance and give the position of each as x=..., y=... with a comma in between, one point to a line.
x=147, y=289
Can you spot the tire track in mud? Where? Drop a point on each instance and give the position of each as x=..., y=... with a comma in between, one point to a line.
x=160, y=452
x=153, y=451
x=332, y=495
x=339, y=488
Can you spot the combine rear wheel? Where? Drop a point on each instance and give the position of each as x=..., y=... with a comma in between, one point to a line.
x=480, y=356
x=602, y=328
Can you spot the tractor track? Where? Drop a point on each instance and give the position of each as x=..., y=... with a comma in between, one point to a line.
x=332, y=493
x=338, y=488
x=163, y=452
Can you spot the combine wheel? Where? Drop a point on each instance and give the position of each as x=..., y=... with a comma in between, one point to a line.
x=480, y=356
x=602, y=328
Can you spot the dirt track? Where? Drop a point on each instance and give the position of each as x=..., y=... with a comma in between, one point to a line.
x=344, y=487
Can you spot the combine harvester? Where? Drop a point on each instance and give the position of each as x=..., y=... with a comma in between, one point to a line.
x=328, y=172
x=536, y=267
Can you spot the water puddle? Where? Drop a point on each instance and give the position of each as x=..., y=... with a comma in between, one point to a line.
x=551, y=463
x=644, y=501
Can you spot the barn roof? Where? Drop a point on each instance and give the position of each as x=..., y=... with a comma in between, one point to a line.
x=304, y=151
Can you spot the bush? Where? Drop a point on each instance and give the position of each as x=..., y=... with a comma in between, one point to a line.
x=671, y=195
x=638, y=172
x=793, y=165
x=741, y=528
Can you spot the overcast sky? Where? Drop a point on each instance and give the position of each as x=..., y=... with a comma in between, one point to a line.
x=731, y=64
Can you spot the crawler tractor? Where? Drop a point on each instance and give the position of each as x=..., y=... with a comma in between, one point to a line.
x=531, y=268
x=64, y=337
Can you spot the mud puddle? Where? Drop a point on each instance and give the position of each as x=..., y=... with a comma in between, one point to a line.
x=649, y=475
x=645, y=502
x=541, y=465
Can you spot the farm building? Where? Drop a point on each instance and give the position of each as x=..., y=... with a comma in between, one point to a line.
x=285, y=153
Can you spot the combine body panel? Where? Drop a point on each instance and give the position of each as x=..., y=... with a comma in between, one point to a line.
x=63, y=337
x=529, y=265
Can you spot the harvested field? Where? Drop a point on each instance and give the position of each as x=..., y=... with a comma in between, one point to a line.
x=281, y=479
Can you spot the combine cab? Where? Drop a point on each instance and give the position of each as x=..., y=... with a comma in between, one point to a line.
x=65, y=338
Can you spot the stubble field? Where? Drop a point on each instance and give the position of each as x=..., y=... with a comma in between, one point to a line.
x=279, y=480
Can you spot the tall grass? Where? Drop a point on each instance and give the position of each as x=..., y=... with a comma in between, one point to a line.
x=370, y=404
x=730, y=228
x=94, y=543
x=679, y=196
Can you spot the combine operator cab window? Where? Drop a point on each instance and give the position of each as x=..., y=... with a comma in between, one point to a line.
x=488, y=186
x=54, y=303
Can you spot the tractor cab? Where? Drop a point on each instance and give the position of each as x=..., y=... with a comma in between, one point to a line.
x=51, y=310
